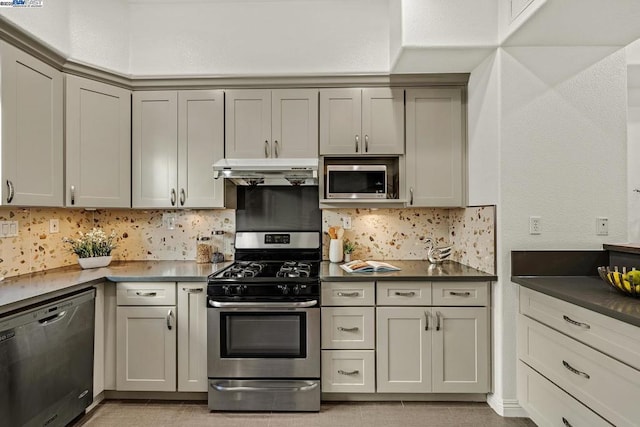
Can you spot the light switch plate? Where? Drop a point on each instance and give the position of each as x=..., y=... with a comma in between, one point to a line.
x=8, y=229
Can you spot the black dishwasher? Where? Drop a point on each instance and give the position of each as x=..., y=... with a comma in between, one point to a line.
x=46, y=361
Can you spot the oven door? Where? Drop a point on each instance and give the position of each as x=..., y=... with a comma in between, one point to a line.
x=263, y=340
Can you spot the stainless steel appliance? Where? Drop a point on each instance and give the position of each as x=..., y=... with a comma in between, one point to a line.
x=46, y=362
x=356, y=182
x=263, y=316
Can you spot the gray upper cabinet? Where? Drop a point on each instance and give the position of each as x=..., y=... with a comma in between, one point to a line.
x=435, y=158
x=177, y=136
x=32, y=130
x=271, y=123
x=98, y=144
x=362, y=121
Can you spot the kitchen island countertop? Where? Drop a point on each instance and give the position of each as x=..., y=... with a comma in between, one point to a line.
x=589, y=292
x=26, y=289
x=409, y=270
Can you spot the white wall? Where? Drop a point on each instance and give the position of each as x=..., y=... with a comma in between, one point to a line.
x=259, y=37
x=561, y=147
x=99, y=33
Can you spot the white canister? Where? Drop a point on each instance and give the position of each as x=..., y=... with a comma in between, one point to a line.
x=335, y=250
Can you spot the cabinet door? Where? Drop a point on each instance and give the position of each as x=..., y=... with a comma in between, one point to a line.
x=154, y=149
x=146, y=349
x=247, y=124
x=192, y=337
x=435, y=159
x=403, y=350
x=460, y=350
x=348, y=371
x=383, y=121
x=32, y=149
x=348, y=328
x=294, y=128
x=98, y=144
x=200, y=145
x=340, y=121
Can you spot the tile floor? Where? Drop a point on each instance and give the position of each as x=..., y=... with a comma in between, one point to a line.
x=119, y=413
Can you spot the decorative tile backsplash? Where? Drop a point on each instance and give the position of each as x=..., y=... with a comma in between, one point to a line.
x=388, y=234
x=382, y=234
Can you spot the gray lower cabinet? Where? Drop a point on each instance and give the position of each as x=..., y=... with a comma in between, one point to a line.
x=419, y=347
x=587, y=361
x=161, y=336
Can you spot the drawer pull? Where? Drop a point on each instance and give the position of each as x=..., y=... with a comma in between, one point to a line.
x=354, y=329
x=575, y=371
x=355, y=372
x=193, y=290
x=573, y=322
x=460, y=294
x=348, y=294
x=566, y=422
x=405, y=294
x=146, y=294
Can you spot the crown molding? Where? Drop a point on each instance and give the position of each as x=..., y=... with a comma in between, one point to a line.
x=19, y=38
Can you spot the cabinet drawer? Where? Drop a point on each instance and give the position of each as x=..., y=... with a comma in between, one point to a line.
x=348, y=328
x=618, y=339
x=348, y=293
x=548, y=405
x=146, y=293
x=404, y=293
x=606, y=386
x=460, y=293
x=348, y=371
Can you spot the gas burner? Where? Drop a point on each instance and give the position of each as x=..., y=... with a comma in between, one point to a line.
x=294, y=269
x=243, y=269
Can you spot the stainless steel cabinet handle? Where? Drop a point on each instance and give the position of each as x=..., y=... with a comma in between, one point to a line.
x=366, y=143
x=355, y=372
x=276, y=148
x=354, y=329
x=169, y=315
x=73, y=195
x=266, y=148
x=411, y=196
x=193, y=290
x=146, y=294
x=460, y=294
x=183, y=196
x=405, y=294
x=574, y=370
x=357, y=142
x=173, y=197
x=348, y=294
x=566, y=422
x=438, y=314
x=426, y=323
x=10, y=195
x=576, y=323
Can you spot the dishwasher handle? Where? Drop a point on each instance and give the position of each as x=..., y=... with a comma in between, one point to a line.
x=52, y=319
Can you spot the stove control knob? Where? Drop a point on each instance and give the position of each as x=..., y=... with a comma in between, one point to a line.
x=284, y=289
x=298, y=288
x=227, y=290
x=241, y=289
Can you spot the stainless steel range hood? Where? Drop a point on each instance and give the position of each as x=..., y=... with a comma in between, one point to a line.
x=268, y=171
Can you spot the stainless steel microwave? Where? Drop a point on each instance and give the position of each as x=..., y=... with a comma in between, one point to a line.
x=356, y=182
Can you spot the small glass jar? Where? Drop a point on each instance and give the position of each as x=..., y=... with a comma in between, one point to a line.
x=217, y=243
x=203, y=250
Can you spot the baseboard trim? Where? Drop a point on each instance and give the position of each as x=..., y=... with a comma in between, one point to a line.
x=506, y=407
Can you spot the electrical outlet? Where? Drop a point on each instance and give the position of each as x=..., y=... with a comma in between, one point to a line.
x=54, y=225
x=535, y=225
x=8, y=229
x=169, y=221
x=602, y=226
x=346, y=222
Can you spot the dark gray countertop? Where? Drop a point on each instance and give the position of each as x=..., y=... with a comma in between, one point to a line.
x=16, y=292
x=586, y=291
x=630, y=248
x=409, y=270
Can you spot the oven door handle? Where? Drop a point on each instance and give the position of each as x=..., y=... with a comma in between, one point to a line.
x=225, y=388
x=299, y=304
